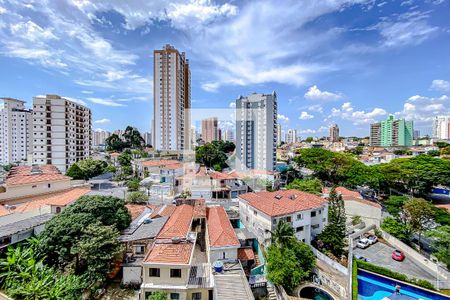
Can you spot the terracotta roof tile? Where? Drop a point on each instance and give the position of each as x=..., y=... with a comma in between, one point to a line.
x=282, y=202
x=220, y=231
x=162, y=211
x=246, y=254
x=4, y=211
x=170, y=253
x=179, y=223
x=160, y=163
x=23, y=175
x=348, y=195
x=135, y=209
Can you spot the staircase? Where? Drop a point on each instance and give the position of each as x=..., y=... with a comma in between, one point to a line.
x=271, y=293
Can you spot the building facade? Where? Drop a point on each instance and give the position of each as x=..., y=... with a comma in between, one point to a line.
x=278, y=135
x=334, y=133
x=292, y=136
x=15, y=130
x=62, y=133
x=210, y=130
x=441, y=127
x=99, y=137
x=392, y=132
x=172, y=100
x=256, y=131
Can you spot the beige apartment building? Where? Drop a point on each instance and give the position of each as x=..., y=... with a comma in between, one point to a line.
x=172, y=100
x=61, y=131
x=210, y=130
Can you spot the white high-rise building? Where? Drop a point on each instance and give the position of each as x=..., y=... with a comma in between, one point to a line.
x=147, y=138
x=256, y=131
x=278, y=135
x=99, y=136
x=334, y=133
x=15, y=130
x=172, y=100
x=62, y=133
x=228, y=135
x=292, y=136
x=441, y=127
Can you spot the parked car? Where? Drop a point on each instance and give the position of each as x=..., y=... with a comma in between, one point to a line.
x=363, y=243
x=360, y=257
x=372, y=239
x=398, y=255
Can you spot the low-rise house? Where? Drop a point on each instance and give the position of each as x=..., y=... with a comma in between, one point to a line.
x=260, y=212
x=356, y=205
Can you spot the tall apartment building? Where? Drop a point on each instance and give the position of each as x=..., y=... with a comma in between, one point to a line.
x=441, y=127
x=278, y=135
x=15, y=130
x=392, y=132
x=228, y=135
x=292, y=136
x=334, y=133
x=62, y=132
x=147, y=136
x=172, y=100
x=210, y=130
x=99, y=137
x=256, y=131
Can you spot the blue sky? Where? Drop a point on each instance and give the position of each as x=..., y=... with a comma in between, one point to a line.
x=332, y=61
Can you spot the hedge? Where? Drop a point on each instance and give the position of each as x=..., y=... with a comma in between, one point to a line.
x=355, y=280
x=386, y=272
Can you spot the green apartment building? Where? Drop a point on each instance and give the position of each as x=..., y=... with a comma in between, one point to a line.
x=392, y=132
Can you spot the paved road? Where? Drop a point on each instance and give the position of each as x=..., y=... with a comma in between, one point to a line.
x=380, y=254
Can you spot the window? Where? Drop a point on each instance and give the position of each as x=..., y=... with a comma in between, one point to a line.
x=174, y=296
x=196, y=296
x=175, y=273
x=320, y=211
x=274, y=221
x=289, y=219
x=58, y=209
x=313, y=214
x=315, y=226
x=299, y=217
x=139, y=249
x=49, y=185
x=34, y=186
x=299, y=229
x=255, y=212
x=153, y=272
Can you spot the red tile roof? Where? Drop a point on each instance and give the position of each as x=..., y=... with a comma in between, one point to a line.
x=135, y=209
x=282, y=202
x=62, y=198
x=170, y=253
x=246, y=254
x=220, y=231
x=348, y=195
x=4, y=211
x=179, y=223
x=222, y=176
x=23, y=175
x=160, y=163
x=162, y=211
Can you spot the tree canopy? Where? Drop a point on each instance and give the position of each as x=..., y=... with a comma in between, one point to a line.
x=214, y=154
x=441, y=238
x=131, y=138
x=87, y=168
x=313, y=186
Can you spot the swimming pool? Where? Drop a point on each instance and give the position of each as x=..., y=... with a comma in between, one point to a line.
x=374, y=287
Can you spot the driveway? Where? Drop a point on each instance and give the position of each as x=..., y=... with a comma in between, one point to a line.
x=380, y=254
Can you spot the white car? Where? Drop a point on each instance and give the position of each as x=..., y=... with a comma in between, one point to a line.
x=372, y=239
x=363, y=243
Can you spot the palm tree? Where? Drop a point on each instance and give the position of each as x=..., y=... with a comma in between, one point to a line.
x=282, y=233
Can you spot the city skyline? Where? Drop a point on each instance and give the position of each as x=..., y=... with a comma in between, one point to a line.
x=110, y=68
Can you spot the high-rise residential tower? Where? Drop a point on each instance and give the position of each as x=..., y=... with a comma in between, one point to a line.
x=172, y=100
x=278, y=134
x=15, y=130
x=228, y=135
x=256, y=131
x=334, y=133
x=210, y=130
x=392, y=132
x=99, y=137
x=62, y=132
x=441, y=127
x=292, y=136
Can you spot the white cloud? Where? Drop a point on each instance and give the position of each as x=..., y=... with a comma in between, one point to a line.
x=211, y=86
x=2, y=10
x=106, y=102
x=282, y=118
x=347, y=112
x=316, y=108
x=232, y=104
x=422, y=109
x=76, y=101
x=314, y=93
x=440, y=85
x=87, y=92
x=31, y=32
x=305, y=116
x=102, y=121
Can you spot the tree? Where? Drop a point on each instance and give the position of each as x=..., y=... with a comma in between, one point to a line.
x=114, y=143
x=418, y=213
x=137, y=198
x=158, y=295
x=133, y=138
x=75, y=172
x=87, y=168
x=313, y=186
x=396, y=228
x=282, y=233
x=333, y=236
x=433, y=153
x=289, y=265
x=394, y=204
x=441, y=242
x=133, y=185
x=214, y=154
x=445, y=151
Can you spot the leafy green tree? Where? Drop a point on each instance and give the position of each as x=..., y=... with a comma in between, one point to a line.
x=396, y=228
x=137, y=198
x=214, y=154
x=313, y=186
x=133, y=185
x=75, y=172
x=442, y=145
x=445, y=151
x=114, y=143
x=441, y=215
x=433, y=153
x=394, y=204
x=333, y=235
x=283, y=233
x=441, y=238
x=356, y=151
x=418, y=212
x=133, y=138
x=288, y=266
x=158, y=295
x=87, y=168
x=125, y=159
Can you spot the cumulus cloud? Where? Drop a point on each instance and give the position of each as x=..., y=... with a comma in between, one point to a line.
x=305, y=116
x=282, y=118
x=314, y=93
x=440, y=85
x=422, y=109
x=316, y=108
x=211, y=86
x=347, y=112
x=106, y=102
